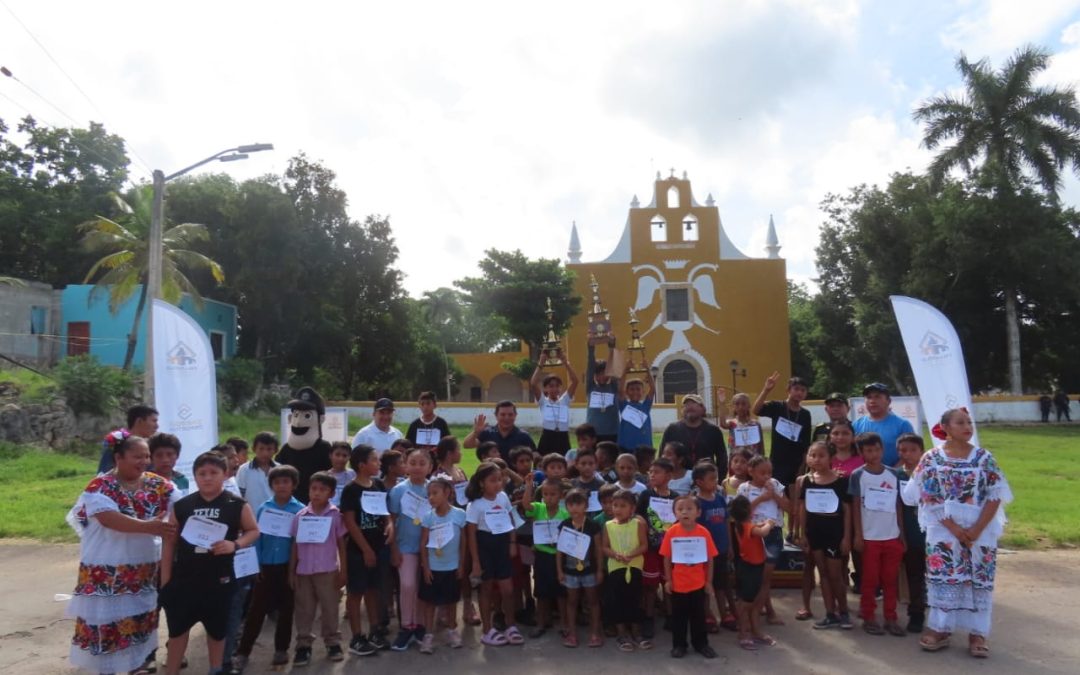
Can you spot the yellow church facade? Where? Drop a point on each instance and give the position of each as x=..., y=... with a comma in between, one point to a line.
x=710, y=316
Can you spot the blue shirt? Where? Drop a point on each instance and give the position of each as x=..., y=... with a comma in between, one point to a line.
x=889, y=429
x=407, y=532
x=271, y=549
x=630, y=436
x=714, y=518
x=446, y=559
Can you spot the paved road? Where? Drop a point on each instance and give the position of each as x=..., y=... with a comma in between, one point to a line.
x=1033, y=633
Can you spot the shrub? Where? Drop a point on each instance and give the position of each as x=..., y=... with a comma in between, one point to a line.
x=92, y=387
x=239, y=380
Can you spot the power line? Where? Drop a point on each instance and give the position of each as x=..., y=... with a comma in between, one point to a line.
x=71, y=79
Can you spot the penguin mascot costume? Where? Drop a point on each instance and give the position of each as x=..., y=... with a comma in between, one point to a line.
x=305, y=448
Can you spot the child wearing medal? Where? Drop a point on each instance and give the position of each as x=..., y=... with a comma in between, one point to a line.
x=625, y=540
x=442, y=560
x=581, y=569
x=546, y=515
x=409, y=504
x=824, y=517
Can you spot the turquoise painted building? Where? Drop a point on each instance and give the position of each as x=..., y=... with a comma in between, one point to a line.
x=89, y=328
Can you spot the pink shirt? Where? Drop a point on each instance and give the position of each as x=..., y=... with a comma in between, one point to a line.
x=321, y=557
x=847, y=466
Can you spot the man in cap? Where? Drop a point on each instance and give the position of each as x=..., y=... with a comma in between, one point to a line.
x=704, y=439
x=304, y=446
x=882, y=421
x=381, y=433
x=836, y=408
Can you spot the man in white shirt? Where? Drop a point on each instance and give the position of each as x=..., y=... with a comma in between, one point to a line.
x=381, y=433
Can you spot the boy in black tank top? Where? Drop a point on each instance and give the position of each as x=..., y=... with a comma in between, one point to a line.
x=197, y=580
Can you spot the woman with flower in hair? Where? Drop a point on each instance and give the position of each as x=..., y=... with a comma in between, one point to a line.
x=120, y=519
x=960, y=491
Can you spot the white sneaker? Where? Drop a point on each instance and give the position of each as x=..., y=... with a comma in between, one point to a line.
x=427, y=645
x=453, y=638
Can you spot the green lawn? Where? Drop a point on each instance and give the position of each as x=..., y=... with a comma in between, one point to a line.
x=1042, y=464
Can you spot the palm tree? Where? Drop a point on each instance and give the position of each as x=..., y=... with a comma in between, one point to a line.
x=1005, y=129
x=440, y=307
x=123, y=268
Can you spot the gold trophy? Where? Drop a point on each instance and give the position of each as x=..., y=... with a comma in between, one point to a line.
x=599, y=318
x=552, y=346
x=635, y=351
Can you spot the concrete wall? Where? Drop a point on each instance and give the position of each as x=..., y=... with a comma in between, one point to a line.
x=987, y=409
x=108, y=332
x=22, y=336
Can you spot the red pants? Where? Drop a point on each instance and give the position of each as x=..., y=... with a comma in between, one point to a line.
x=880, y=568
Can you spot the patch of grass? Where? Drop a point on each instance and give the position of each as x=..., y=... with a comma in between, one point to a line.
x=33, y=388
x=39, y=488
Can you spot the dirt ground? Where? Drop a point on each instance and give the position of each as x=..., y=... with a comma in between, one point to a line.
x=1037, y=592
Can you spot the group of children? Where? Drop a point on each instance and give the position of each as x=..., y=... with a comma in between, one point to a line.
x=586, y=538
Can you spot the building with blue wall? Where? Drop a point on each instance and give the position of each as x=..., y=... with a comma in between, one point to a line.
x=88, y=327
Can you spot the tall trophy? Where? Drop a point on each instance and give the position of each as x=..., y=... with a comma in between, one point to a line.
x=635, y=351
x=599, y=318
x=552, y=346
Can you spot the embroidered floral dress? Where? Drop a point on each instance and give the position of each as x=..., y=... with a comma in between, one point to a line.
x=959, y=580
x=115, y=600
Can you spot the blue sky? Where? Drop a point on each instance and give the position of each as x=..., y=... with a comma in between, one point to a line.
x=478, y=125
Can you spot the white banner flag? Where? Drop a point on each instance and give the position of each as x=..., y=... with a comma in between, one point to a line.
x=937, y=361
x=185, y=388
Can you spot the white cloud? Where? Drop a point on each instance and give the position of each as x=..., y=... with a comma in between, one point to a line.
x=996, y=28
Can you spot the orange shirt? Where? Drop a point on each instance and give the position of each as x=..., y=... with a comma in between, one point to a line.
x=686, y=578
x=751, y=548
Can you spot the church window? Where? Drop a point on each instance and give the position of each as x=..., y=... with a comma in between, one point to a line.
x=690, y=228
x=673, y=197
x=658, y=229
x=677, y=304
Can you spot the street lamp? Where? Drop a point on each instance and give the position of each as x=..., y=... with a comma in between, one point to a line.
x=655, y=372
x=154, y=262
x=735, y=372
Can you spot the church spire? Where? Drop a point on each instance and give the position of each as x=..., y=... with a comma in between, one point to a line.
x=574, y=254
x=772, y=242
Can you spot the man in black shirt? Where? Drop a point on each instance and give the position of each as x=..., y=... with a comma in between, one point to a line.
x=505, y=434
x=790, y=427
x=704, y=439
x=836, y=408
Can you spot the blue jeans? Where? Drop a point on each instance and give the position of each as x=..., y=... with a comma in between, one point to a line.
x=236, y=616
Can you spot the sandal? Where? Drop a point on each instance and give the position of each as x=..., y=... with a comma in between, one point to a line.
x=766, y=640
x=147, y=668
x=570, y=640
x=710, y=624
x=494, y=638
x=644, y=644
x=514, y=636
x=471, y=617
x=596, y=641
x=932, y=641
x=625, y=643
x=977, y=647
x=748, y=644
x=804, y=615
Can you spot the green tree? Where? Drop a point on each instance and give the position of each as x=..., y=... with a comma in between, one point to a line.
x=123, y=268
x=1007, y=131
x=515, y=289
x=52, y=179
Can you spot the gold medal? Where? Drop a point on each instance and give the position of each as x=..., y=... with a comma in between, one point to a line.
x=580, y=566
x=415, y=521
x=438, y=553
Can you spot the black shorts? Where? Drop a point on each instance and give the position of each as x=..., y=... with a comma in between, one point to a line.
x=362, y=578
x=189, y=601
x=720, y=572
x=546, y=584
x=748, y=580
x=444, y=589
x=826, y=535
x=553, y=441
x=494, y=554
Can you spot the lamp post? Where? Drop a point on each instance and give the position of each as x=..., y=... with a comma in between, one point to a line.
x=154, y=260
x=655, y=372
x=735, y=372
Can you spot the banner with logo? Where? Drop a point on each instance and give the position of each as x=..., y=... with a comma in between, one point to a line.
x=185, y=388
x=937, y=361
x=335, y=426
